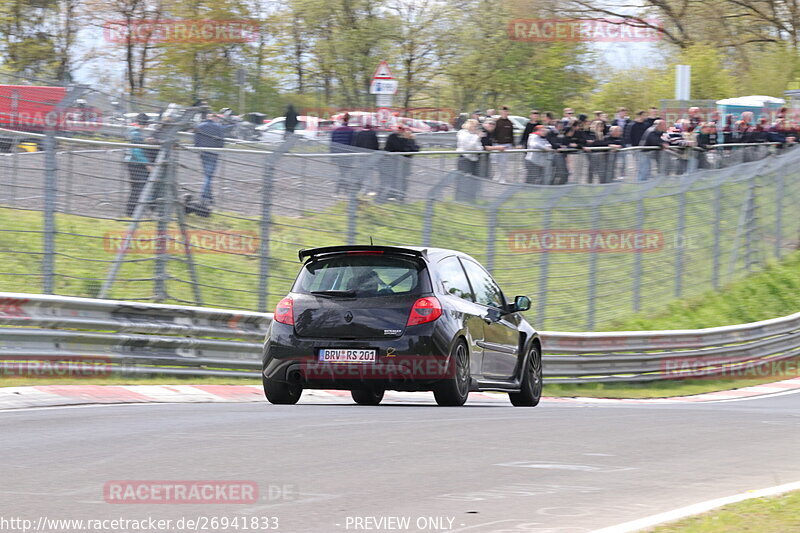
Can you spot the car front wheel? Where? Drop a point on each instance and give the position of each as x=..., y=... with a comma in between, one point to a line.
x=531, y=389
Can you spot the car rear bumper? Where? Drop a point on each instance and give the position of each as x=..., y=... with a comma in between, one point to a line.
x=404, y=363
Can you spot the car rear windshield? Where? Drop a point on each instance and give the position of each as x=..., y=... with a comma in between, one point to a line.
x=364, y=275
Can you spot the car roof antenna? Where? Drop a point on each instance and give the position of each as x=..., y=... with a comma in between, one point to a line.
x=370, y=240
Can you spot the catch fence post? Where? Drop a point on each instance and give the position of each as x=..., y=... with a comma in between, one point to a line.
x=679, y=243
x=593, y=259
x=265, y=224
x=430, y=204
x=717, y=229
x=52, y=121
x=492, y=225
x=779, y=192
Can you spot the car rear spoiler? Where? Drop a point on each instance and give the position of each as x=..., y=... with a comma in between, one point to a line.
x=358, y=248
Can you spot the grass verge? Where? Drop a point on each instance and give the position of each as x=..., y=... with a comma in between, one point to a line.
x=760, y=515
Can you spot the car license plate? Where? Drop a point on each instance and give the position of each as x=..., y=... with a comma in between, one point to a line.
x=349, y=355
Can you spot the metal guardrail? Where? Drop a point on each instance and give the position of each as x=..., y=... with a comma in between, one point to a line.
x=89, y=336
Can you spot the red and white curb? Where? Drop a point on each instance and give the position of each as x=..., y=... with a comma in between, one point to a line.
x=58, y=395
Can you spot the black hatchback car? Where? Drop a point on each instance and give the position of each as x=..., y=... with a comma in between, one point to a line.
x=371, y=318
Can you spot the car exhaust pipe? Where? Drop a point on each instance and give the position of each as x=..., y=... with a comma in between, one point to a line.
x=295, y=377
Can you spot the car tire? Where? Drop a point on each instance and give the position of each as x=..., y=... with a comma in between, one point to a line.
x=531, y=389
x=454, y=391
x=367, y=396
x=280, y=392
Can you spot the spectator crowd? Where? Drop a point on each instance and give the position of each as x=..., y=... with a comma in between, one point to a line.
x=552, y=144
x=602, y=137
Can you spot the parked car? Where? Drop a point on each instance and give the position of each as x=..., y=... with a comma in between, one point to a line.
x=371, y=318
x=438, y=125
x=362, y=118
x=312, y=128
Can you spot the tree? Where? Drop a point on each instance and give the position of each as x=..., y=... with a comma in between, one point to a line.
x=26, y=37
x=117, y=19
x=421, y=33
x=745, y=32
x=490, y=69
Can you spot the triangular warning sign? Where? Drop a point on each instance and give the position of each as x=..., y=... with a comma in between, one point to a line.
x=383, y=72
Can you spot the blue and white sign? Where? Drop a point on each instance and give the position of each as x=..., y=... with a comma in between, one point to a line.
x=379, y=86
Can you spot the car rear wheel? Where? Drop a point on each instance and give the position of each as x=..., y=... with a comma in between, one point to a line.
x=455, y=390
x=367, y=396
x=280, y=392
x=531, y=390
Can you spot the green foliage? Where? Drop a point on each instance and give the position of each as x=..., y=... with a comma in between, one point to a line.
x=491, y=70
x=25, y=44
x=769, y=71
x=634, y=89
x=642, y=87
x=711, y=78
x=772, y=292
x=187, y=71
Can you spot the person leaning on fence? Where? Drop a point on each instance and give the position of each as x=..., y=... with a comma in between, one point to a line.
x=707, y=139
x=534, y=120
x=695, y=118
x=536, y=163
x=503, y=139
x=139, y=166
x=571, y=138
x=681, y=139
x=399, y=167
x=485, y=161
x=366, y=138
x=341, y=142
x=468, y=139
x=615, y=166
x=597, y=158
x=653, y=137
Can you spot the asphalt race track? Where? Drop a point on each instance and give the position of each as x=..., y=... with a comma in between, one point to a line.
x=557, y=468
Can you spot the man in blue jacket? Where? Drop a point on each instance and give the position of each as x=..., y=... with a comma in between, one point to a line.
x=210, y=133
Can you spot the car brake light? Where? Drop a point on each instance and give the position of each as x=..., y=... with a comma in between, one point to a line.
x=373, y=252
x=284, y=311
x=425, y=310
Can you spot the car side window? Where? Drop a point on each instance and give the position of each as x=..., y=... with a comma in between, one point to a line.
x=487, y=292
x=454, y=281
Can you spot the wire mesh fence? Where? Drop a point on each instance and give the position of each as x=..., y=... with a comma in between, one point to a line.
x=222, y=226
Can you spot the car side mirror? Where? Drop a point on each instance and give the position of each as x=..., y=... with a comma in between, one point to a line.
x=521, y=303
